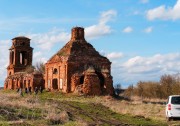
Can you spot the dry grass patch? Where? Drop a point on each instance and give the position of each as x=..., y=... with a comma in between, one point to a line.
x=55, y=108
x=136, y=108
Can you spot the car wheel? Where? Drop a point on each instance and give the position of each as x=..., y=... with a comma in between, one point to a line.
x=168, y=118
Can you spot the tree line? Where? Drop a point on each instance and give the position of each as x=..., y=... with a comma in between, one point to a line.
x=168, y=85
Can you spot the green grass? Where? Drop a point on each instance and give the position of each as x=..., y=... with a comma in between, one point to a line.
x=98, y=110
x=80, y=109
x=91, y=110
x=3, y=123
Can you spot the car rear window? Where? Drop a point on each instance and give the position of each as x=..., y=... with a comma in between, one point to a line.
x=175, y=100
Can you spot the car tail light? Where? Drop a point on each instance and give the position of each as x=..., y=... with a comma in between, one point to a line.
x=169, y=106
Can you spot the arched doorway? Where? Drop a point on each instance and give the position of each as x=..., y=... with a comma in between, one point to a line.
x=21, y=84
x=55, y=84
x=24, y=84
x=12, y=85
x=43, y=84
x=101, y=79
x=81, y=79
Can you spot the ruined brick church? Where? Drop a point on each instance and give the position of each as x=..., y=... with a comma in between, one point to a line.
x=20, y=60
x=77, y=67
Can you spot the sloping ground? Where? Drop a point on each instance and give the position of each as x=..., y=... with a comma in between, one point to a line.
x=63, y=109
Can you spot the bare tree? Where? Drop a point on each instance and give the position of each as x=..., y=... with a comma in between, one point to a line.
x=167, y=82
x=40, y=67
x=129, y=91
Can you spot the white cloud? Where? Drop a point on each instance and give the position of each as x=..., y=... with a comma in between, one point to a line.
x=149, y=68
x=101, y=28
x=130, y=70
x=47, y=40
x=96, y=31
x=144, y=1
x=156, y=61
x=148, y=30
x=164, y=13
x=4, y=46
x=107, y=16
x=39, y=57
x=115, y=55
x=128, y=29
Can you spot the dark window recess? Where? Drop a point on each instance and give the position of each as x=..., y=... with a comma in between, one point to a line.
x=101, y=79
x=82, y=80
x=23, y=58
x=175, y=100
x=55, y=71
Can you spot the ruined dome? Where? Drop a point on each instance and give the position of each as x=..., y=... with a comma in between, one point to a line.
x=77, y=49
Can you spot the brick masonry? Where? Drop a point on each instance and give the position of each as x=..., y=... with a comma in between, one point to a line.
x=78, y=66
x=20, y=58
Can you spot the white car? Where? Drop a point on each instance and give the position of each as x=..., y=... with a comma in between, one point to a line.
x=173, y=107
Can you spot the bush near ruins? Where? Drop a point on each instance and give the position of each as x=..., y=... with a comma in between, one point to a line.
x=168, y=85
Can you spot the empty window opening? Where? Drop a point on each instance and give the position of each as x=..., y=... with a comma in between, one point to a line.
x=82, y=80
x=55, y=71
x=21, y=85
x=23, y=58
x=43, y=84
x=55, y=84
x=24, y=85
x=16, y=83
x=12, y=57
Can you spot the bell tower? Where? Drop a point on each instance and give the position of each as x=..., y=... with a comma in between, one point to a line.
x=20, y=55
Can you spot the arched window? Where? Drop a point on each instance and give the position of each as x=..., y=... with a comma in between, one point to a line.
x=23, y=58
x=55, y=71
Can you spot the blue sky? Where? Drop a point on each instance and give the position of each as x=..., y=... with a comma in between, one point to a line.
x=140, y=37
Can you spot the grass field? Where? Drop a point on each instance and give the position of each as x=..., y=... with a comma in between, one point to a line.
x=55, y=108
